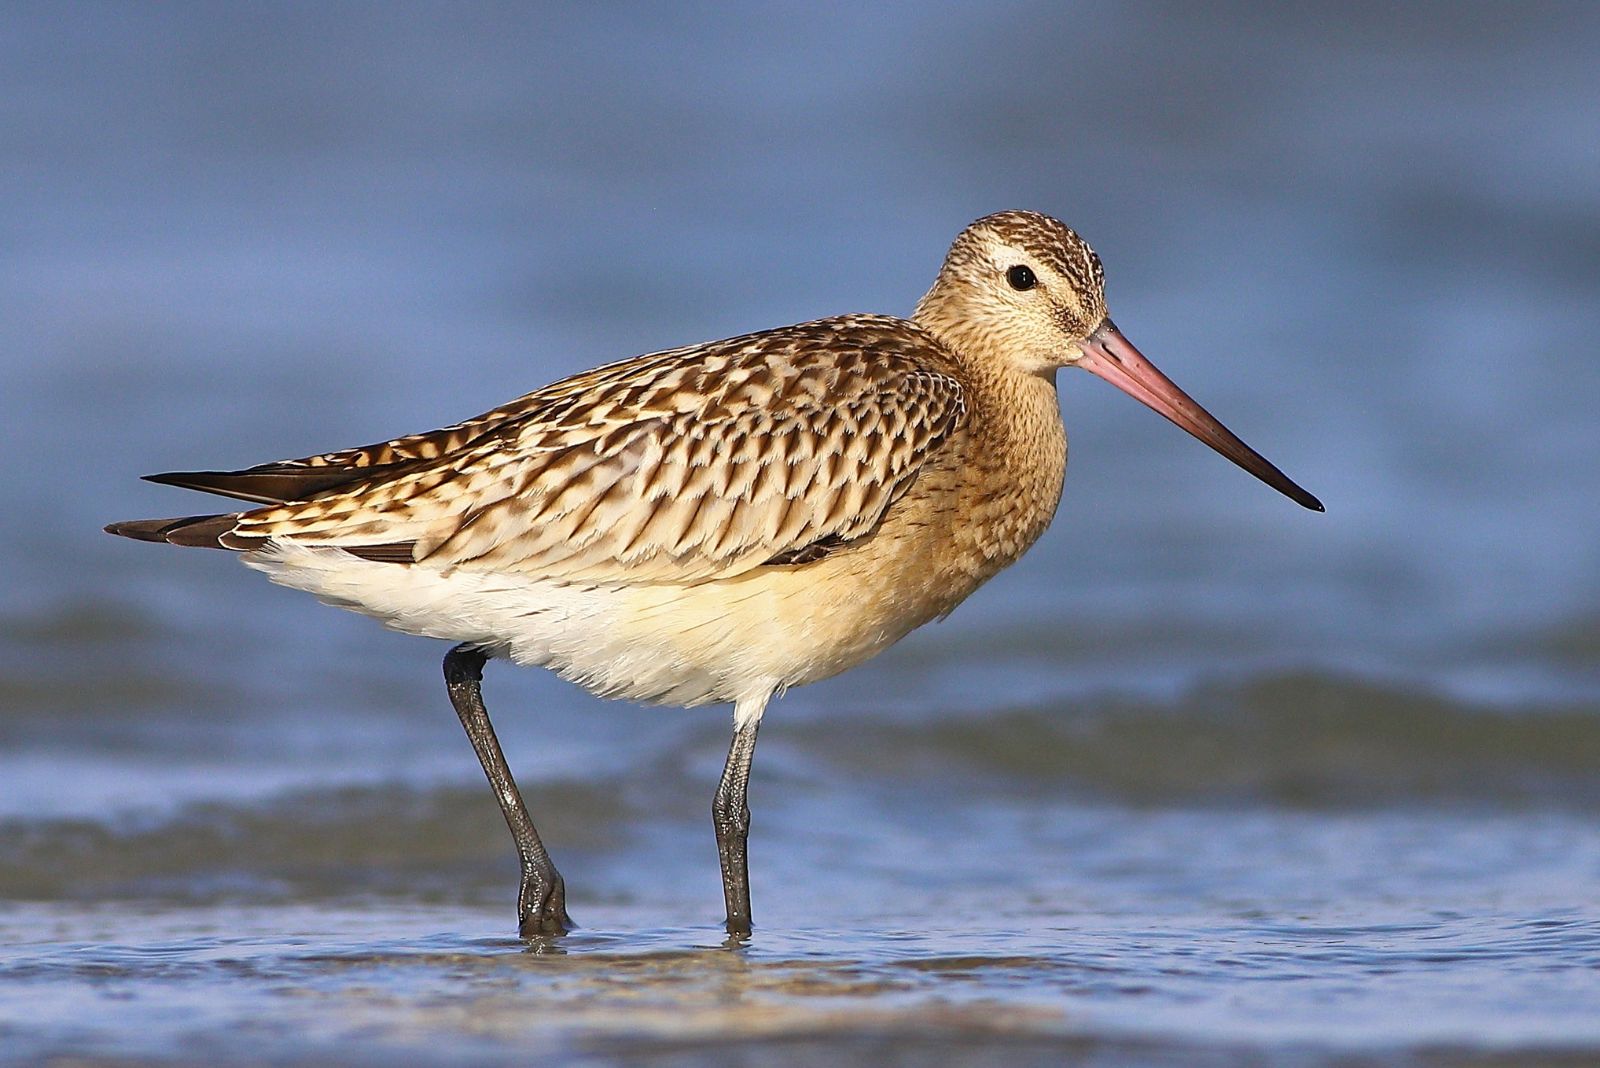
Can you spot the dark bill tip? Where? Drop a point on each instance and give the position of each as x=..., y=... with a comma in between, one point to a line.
x=1111, y=356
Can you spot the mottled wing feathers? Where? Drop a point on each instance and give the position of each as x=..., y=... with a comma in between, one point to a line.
x=678, y=466
x=302, y=479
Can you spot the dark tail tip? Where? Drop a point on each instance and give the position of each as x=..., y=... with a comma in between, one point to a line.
x=144, y=529
x=204, y=531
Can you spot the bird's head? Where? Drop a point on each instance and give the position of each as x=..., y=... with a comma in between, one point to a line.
x=1024, y=289
x=1020, y=286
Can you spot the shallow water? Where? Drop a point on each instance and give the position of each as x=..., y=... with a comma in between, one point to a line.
x=1395, y=879
x=1204, y=780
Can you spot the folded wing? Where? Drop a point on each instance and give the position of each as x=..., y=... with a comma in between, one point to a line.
x=675, y=467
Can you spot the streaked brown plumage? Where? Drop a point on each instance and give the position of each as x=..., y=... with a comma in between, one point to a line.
x=695, y=464
x=721, y=521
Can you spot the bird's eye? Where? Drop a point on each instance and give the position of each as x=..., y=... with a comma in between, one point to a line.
x=1021, y=277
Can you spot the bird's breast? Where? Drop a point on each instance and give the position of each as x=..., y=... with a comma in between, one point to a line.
x=1008, y=475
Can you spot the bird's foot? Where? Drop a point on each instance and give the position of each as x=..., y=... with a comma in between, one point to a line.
x=542, y=906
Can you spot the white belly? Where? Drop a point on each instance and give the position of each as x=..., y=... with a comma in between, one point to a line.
x=681, y=645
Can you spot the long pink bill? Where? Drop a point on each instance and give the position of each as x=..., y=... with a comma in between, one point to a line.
x=1108, y=354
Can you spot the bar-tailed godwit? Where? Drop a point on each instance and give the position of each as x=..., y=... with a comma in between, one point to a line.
x=719, y=522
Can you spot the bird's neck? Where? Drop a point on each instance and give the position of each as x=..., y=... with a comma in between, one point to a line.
x=940, y=313
x=1019, y=447
x=984, y=342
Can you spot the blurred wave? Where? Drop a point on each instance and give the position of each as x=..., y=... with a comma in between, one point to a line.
x=428, y=844
x=1300, y=740
x=1574, y=643
x=1305, y=741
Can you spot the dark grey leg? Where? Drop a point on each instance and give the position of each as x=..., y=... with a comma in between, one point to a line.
x=542, y=900
x=730, y=812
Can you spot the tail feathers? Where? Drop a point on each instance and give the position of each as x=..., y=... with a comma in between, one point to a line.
x=269, y=483
x=217, y=532
x=203, y=531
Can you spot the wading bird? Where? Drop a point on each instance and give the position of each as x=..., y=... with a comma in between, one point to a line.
x=719, y=522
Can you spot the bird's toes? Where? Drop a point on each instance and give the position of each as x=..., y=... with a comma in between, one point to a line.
x=544, y=910
x=545, y=924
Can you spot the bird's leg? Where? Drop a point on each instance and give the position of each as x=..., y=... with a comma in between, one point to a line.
x=730, y=813
x=542, y=899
